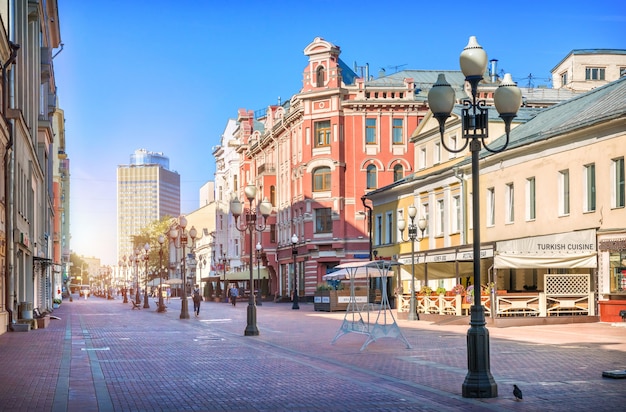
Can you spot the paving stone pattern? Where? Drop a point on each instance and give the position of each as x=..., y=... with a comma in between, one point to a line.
x=102, y=356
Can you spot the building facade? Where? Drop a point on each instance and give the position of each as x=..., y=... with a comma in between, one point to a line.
x=585, y=69
x=146, y=191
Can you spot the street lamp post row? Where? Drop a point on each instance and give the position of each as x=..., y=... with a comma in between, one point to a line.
x=421, y=224
x=250, y=225
x=161, y=240
x=177, y=233
x=479, y=382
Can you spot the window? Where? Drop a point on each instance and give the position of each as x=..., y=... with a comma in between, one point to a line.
x=439, y=224
x=456, y=218
x=425, y=215
x=398, y=172
x=437, y=154
x=452, y=145
x=235, y=187
x=618, y=178
x=321, y=179
x=370, y=131
x=379, y=230
x=323, y=220
x=590, y=188
x=510, y=203
x=396, y=131
x=371, y=177
x=423, y=158
x=273, y=195
x=531, y=208
x=322, y=133
x=320, y=76
x=273, y=233
x=594, y=73
x=564, y=192
x=564, y=79
x=491, y=206
x=389, y=231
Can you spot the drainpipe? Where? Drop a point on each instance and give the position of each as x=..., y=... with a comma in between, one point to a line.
x=369, y=223
x=8, y=87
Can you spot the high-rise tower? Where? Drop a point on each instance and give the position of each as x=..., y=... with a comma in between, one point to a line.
x=146, y=191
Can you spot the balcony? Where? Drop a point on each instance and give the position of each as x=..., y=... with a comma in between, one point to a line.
x=266, y=169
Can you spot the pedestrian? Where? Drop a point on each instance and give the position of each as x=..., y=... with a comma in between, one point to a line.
x=233, y=293
x=196, y=300
x=169, y=293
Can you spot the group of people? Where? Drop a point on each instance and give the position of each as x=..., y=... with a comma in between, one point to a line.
x=233, y=294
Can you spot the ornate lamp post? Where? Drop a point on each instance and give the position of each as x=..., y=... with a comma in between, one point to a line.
x=258, y=272
x=224, y=260
x=125, y=268
x=250, y=225
x=177, y=232
x=146, y=257
x=479, y=382
x=161, y=240
x=421, y=224
x=136, y=260
x=294, y=253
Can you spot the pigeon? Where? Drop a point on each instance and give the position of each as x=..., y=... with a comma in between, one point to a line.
x=517, y=392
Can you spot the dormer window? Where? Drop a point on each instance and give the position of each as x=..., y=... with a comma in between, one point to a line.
x=320, y=77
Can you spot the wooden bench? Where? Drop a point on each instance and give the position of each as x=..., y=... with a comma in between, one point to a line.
x=135, y=305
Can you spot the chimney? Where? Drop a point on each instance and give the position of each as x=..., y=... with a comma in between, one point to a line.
x=493, y=70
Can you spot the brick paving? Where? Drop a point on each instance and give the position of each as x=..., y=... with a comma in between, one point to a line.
x=102, y=356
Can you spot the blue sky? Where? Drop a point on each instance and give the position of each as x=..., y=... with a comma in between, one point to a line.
x=166, y=75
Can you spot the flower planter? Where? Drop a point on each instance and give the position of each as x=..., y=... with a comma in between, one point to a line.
x=43, y=322
x=335, y=300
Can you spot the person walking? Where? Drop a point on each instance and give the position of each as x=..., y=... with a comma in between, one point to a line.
x=197, y=298
x=233, y=293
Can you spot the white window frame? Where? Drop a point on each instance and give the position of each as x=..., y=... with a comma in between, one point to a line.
x=491, y=207
x=531, y=199
x=510, y=203
x=589, y=188
x=617, y=176
x=564, y=192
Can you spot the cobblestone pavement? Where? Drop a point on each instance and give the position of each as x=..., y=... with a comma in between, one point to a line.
x=102, y=356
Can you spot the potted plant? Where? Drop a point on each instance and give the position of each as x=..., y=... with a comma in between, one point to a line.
x=426, y=290
x=441, y=290
x=458, y=289
x=56, y=302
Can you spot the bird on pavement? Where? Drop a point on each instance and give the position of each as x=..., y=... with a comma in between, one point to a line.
x=517, y=392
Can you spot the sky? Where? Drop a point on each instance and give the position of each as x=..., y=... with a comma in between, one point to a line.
x=167, y=75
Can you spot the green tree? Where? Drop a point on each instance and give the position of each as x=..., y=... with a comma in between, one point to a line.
x=150, y=234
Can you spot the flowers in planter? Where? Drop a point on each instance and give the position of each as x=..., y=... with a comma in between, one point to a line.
x=57, y=301
x=440, y=290
x=324, y=286
x=426, y=290
x=458, y=289
x=470, y=294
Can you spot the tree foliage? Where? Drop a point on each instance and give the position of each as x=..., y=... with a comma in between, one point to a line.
x=150, y=235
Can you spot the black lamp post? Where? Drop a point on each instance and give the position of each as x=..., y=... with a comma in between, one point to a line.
x=224, y=261
x=125, y=268
x=250, y=225
x=259, y=248
x=177, y=232
x=161, y=240
x=479, y=382
x=136, y=260
x=294, y=253
x=146, y=257
x=421, y=224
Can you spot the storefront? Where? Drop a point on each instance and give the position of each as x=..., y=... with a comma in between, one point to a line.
x=612, y=276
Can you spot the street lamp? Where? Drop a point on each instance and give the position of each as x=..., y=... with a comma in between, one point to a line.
x=259, y=247
x=294, y=253
x=125, y=289
x=224, y=261
x=250, y=225
x=177, y=232
x=161, y=240
x=136, y=260
x=146, y=257
x=421, y=224
x=479, y=382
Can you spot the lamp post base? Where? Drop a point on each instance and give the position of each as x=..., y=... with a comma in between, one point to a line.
x=413, y=315
x=479, y=382
x=184, y=308
x=161, y=307
x=251, y=328
x=146, y=303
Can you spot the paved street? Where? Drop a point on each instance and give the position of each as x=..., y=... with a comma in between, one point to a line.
x=101, y=355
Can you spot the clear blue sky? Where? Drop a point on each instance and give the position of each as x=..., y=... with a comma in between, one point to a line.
x=166, y=75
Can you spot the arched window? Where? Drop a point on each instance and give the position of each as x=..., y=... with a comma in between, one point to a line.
x=320, y=76
x=273, y=195
x=398, y=172
x=321, y=179
x=371, y=177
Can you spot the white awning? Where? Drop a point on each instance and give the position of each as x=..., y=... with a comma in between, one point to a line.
x=570, y=250
x=245, y=275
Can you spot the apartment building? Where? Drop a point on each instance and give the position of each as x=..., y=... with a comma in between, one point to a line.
x=585, y=69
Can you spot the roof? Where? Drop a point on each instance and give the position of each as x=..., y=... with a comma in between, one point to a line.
x=596, y=106
x=581, y=52
x=347, y=74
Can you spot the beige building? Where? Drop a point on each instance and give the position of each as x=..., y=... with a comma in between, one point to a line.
x=585, y=69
